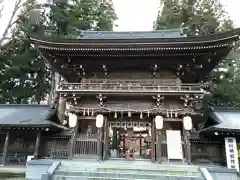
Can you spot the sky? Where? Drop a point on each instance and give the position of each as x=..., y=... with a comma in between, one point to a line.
x=139, y=15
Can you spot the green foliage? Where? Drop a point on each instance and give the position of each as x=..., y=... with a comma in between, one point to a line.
x=97, y=15
x=23, y=73
x=24, y=77
x=205, y=17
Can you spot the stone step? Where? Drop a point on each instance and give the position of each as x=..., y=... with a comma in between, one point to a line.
x=130, y=171
x=123, y=174
x=61, y=177
x=129, y=167
x=79, y=170
x=126, y=164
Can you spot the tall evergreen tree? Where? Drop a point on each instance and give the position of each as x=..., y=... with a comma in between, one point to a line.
x=205, y=17
x=24, y=76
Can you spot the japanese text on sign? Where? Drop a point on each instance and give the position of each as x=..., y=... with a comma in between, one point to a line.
x=231, y=153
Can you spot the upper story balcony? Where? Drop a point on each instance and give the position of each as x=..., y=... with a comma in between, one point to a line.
x=131, y=87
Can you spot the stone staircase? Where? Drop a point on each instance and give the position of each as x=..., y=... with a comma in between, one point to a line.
x=124, y=170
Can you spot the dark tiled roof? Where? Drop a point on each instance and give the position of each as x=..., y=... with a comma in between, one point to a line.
x=26, y=115
x=129, y=35
x=225, y=119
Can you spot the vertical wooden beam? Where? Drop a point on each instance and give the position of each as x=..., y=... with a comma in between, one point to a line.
x=159, y=146
x=106, y=139
x=100, y=144
x=73, y=141
x=51, y=93
x=187, y=148
x=61, y=109
x=37, y=145
x=7, y=138
x=153, y=145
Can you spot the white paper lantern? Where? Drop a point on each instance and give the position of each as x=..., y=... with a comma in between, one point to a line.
x=187, y=123
x=159, y=122
x=99, y=120
x=72, y=120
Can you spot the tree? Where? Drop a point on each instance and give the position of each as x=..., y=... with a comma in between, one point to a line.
x=205, y=17
x=24, y=76
x=169, y=17
x=13, y=19
x=97, y=15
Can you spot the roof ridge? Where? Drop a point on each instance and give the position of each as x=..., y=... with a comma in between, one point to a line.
x=129, y=32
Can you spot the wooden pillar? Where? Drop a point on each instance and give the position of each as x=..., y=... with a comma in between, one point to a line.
x=37, y=145
x=159, y=146
x=61, y=109
x=187, y=148
x=51, y=93
x=5, y=148
x=100, y=145
x=106, y=139
x=73, y=141
x=114, y=139
x=153, y=144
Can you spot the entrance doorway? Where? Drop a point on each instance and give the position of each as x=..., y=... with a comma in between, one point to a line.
x=130, y=143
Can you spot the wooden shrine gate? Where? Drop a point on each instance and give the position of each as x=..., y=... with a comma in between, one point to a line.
x=86, y=146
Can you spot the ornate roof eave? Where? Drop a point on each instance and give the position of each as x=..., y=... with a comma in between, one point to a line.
x=123, y=50
x=180, y=43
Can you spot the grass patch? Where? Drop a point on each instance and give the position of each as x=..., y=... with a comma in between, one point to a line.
x=11, y=175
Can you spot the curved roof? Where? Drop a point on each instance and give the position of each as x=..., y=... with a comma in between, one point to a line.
x=24, y=115
x=226, y=119
x=199, y=54
x=151, y=39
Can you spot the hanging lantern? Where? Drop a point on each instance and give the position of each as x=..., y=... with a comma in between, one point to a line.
x=115, y=115
x=159, y=122
x=34, y=16
x=187, y=123
x=72, y=120
x=129, y=114
x=141, y=115
x=99, y=121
